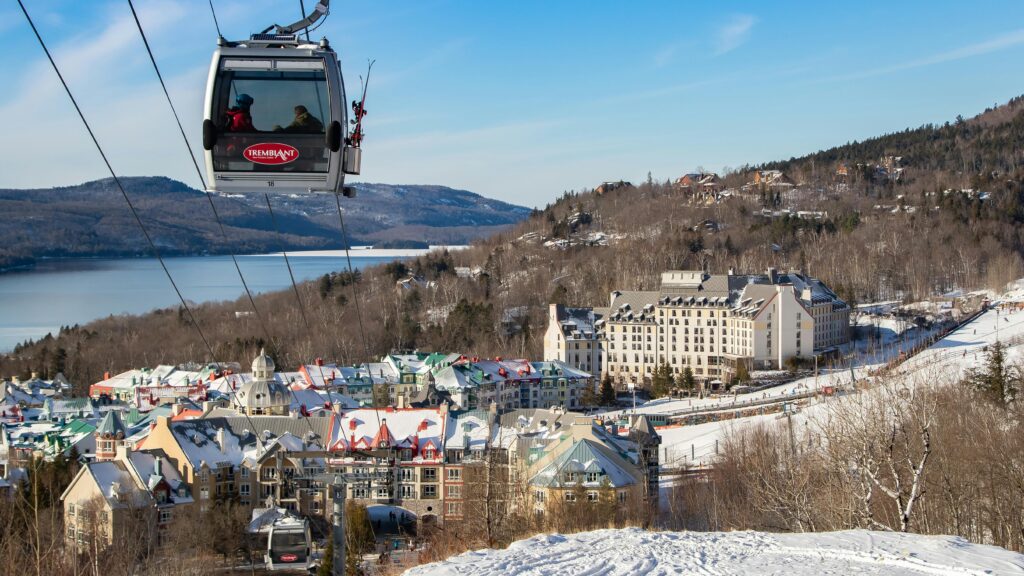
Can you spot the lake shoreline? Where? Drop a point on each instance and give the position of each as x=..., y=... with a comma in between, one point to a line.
x=67, y=291
x=355, y=251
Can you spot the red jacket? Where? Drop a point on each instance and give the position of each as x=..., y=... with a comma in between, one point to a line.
x=239, y=120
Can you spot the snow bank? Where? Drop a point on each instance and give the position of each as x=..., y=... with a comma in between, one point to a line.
x=635, y=551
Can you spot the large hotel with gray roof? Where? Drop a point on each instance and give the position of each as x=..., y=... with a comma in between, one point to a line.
x=711, y=323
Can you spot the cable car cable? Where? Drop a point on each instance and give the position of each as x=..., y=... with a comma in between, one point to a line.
x=199, y=172
x=355, y=293
x=215, y=23
x=295, y=288
x=302, y=11
x=117, y=181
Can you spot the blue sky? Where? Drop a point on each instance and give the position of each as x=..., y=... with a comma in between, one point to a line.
x=522, y=100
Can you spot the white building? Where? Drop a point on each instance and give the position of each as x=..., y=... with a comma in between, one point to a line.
x=708, y=323
x=573, y=336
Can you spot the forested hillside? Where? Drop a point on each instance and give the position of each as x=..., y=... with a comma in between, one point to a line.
x=947, y=215
x=92, y=219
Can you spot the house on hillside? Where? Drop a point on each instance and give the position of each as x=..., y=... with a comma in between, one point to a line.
x=703, y=187
x=610, y=186
x=771, y=180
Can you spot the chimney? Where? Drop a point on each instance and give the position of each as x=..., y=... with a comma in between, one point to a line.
x=732, y=271
x=156, y=466
x=35, y=375
x=319, y=361
x=176, y=409
x=220, y=440
x=106, y=375
x=772, y=277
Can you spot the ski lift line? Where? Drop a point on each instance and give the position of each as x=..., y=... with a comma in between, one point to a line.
x=302, y=11
x=117, y=181
x=355, y=293
x=287, y=263
x=215, y=23
x=302, y=309
x=199, y=172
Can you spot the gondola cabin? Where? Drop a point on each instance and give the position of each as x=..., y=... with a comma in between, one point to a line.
x=276, y=118
x=288, y=540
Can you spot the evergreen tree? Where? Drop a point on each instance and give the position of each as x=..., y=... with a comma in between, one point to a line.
x=661, y=383
x=689, y=382
x=607, y=391
x=560, y=295
x=998, y=381
x=742, y=374
x=589, y=398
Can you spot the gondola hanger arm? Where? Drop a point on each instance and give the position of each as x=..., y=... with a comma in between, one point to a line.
x=319, y=11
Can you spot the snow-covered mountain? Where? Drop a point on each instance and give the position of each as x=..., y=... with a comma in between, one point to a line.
x=634, y=551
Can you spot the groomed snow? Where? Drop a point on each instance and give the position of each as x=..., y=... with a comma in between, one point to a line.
x=635, y=551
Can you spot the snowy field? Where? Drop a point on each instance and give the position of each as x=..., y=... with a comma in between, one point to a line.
x=635, y=551
x=946, y=360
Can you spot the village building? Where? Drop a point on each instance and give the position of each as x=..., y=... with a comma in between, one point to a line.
x=121, y=495
x=573, y=336
x=712, y=325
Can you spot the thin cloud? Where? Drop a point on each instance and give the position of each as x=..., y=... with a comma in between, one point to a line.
x=734, y=33
x=664, y=56
x=1003, y=42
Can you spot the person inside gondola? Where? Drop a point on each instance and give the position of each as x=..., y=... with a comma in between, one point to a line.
x=238, y=118
x=303, y=122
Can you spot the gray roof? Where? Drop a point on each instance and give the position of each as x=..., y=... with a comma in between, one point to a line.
x=111, y=424
x=745, y=293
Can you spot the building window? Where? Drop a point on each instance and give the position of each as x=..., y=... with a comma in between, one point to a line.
x=243, y=490
x=428, y=475
x=593, y=496
x=245, y=473
x=71, y=510
x=570, y=497
x=539, y=496
x=454, y=473
x=428, y=492
x=204, y=493
x=360, y=492
x=405, y=473
x=454, y=508
x=165, y=516
x=454, y=491
x=408, y=491
x=622, y=497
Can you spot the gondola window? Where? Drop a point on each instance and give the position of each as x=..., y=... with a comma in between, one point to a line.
x=271, y=115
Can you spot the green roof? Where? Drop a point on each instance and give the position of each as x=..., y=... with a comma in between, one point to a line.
x=111, y=424
x=76, y=427
x=587, y=457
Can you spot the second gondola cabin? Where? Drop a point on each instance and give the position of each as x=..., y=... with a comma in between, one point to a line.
x=276, y=118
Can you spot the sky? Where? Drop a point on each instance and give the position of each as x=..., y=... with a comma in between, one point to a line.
x=522, y=100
